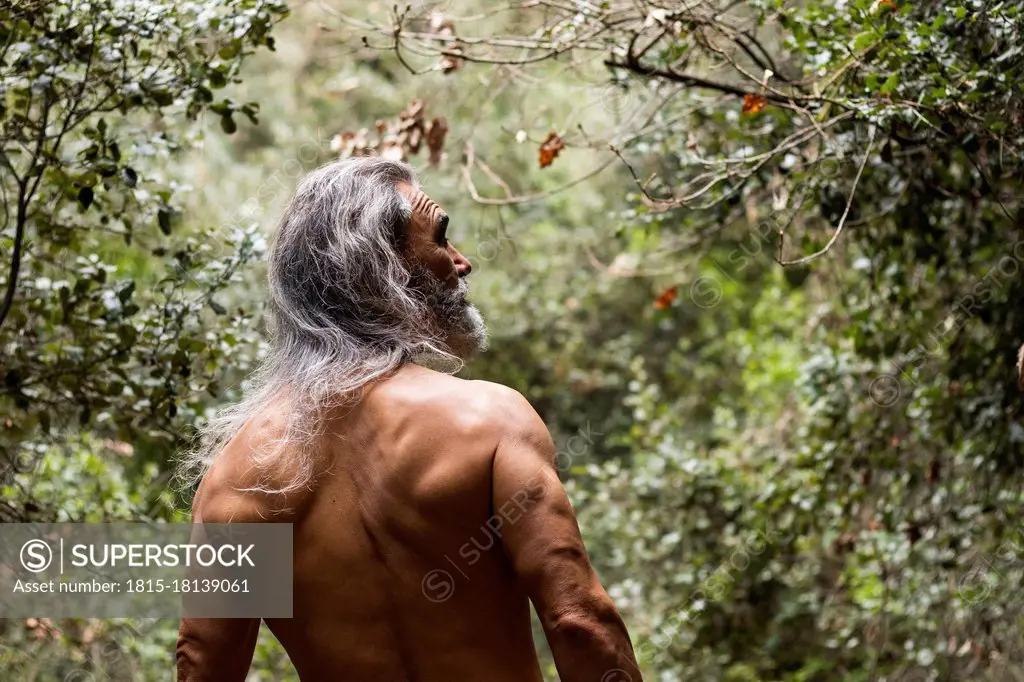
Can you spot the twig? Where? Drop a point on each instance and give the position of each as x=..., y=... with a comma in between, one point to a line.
x=842, y=220
x=522, y=198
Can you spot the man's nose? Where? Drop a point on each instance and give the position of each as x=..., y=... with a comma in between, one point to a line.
x=462, y=266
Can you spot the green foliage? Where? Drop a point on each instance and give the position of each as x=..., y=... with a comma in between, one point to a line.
x=860, y=407
x=112, y=333
x=110, y=320
x=803, y=472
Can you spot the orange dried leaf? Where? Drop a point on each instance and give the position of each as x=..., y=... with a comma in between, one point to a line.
x=665, y=298
x=549, y=149
x=752, y=104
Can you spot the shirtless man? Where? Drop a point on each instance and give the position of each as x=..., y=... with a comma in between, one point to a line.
x=426, y=509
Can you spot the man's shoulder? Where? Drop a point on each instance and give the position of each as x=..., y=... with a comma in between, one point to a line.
x=506, y=405
x=233, y=489
x=487, y=403
x=473, y=407
x=503, y=412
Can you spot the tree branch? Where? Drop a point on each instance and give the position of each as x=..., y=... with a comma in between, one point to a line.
x=19, y=240
x=842, y=220
x=685, y=79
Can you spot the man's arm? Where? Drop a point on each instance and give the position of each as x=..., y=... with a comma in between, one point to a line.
x=586, y=634
x=217, y=649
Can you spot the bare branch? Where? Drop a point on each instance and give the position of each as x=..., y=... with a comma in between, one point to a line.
x=522, y=198
x=685, y=79
x=842, y=220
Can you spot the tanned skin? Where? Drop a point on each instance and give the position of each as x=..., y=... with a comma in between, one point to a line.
x=439, y=517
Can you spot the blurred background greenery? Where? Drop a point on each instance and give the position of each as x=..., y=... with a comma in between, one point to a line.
x=771, y=320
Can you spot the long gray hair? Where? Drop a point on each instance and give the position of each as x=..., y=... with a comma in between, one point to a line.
x=341, y=314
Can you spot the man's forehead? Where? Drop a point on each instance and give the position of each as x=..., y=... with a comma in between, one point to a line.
x=418, y=198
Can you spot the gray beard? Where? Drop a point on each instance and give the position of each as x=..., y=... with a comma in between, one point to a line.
x=457, y=322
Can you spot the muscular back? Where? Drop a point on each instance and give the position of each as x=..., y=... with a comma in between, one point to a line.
x=436, y=519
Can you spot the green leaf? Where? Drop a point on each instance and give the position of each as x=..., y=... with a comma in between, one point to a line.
x=129, y=176
x=229, y=50
x=163, y=217
x=227, y=124
x=126, y=292
x=251, y=111
x=863, y=40
x=217, y=79
x=162, y=98
x=85, y=196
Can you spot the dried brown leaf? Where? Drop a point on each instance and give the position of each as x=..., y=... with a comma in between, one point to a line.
x=753, y=104
x=436, y=134
x=549, y=149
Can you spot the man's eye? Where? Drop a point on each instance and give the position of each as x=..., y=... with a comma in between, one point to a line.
x=442, y=232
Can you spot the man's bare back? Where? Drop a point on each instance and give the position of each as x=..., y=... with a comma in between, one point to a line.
x=415, y=551
x=435, y=515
